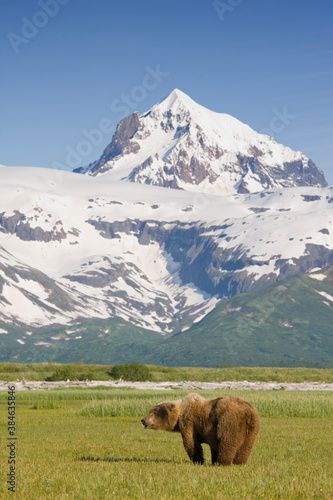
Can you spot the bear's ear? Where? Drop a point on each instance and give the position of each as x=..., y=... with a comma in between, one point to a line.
x=170, y=406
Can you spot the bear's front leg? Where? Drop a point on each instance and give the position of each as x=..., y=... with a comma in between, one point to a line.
x=193, y=447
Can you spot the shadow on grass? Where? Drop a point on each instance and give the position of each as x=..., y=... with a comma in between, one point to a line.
x=133, y=460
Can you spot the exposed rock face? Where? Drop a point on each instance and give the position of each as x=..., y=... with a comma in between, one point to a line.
x=121, y=143
x=28, y=233
x=9, y=223
x=40, y=293
x=317, y=256
x=18, y=224
x=191, y=164
x=216, y=270
x=104, y=276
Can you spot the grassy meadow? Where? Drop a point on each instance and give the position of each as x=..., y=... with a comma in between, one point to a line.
x=81, y=371
x=89, y=444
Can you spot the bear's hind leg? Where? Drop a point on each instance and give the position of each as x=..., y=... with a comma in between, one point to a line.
x=245, y=450
x=251, y=433
x=227, y=435
x=225, y=455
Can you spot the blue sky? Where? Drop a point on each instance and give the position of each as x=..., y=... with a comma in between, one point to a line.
x=70, y=69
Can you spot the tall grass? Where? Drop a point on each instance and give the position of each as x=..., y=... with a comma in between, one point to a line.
x=116, y=408
x=101, y=401
x=47, y=404
x=268, y=404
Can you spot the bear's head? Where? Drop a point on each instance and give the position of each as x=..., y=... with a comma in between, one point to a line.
x=163, y=417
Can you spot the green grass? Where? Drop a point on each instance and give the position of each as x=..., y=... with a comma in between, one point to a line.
x=65, y=452
x=42, y=371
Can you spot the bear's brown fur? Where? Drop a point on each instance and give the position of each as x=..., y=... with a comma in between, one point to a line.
x=229, y=425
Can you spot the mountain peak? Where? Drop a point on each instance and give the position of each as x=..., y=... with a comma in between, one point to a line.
x=180, y=144
x=175, y=98
x=176, y=93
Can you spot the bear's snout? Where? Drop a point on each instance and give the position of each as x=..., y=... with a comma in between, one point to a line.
x=147, y=422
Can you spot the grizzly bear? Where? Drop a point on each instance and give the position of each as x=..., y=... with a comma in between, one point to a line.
x=229, y=425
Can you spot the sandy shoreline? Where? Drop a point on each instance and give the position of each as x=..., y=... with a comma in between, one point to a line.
x=163, y=386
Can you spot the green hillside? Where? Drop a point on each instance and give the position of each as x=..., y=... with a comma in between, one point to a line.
x=287, y=324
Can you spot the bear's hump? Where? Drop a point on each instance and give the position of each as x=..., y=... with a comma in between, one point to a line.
x=193, y=397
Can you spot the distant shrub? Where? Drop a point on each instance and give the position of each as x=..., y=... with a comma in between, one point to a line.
x=133, y=372
x=10, y=367
x=69, y=372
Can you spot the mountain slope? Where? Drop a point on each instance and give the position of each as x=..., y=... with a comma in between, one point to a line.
x=156, y=257
x=29, y=297
x=288, y=324
x=180, y=144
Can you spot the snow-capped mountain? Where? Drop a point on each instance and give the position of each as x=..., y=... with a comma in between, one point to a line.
x=116, y=243
x=180, y=144
x=75, y=246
